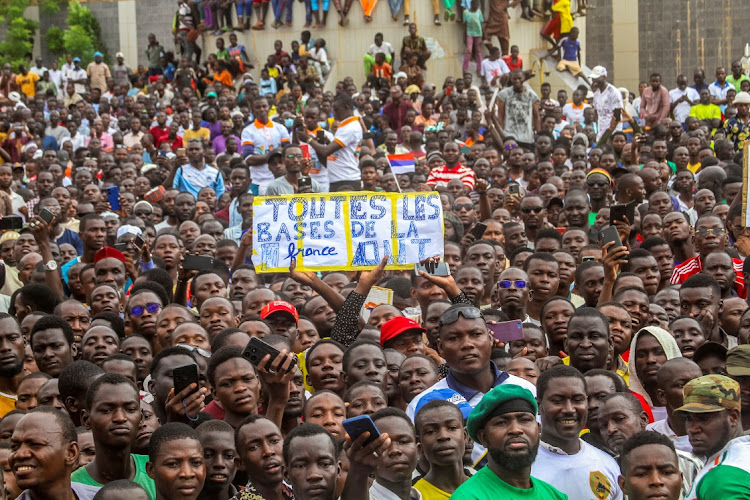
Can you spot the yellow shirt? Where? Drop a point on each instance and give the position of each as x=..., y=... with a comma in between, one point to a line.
x=202, y=133
x=694, y=167
x=430, y=492
x=28, y=83
x=562, y=7
x=621, y=372
x=7, y=403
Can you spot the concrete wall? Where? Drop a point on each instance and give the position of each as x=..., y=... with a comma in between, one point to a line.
x=634, y=39
x=346, y=46
x=126, y=24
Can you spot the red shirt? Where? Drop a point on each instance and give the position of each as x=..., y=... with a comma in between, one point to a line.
x=695, y=265
x=160, y=134
x=511, y=65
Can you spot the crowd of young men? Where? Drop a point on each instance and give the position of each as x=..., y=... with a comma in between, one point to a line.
x=611, y=230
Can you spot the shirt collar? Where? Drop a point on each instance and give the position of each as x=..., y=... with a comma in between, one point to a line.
x=469, y=393
x=268, y=124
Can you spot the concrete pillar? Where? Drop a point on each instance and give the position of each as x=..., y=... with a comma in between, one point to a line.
x=625, y=45
x=128, y=32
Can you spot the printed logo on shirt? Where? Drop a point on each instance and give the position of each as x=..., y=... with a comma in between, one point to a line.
x=600, y=485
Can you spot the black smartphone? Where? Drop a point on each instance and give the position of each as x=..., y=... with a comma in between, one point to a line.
x=197, y=263
x=46, y=215
x=320, y=136
x=359, y=425
x=514, y=189
x=304, y=184
x=610, y=234
x=618, y=114
x=11, y=222
x=183, y=376
x=138, y=242
x=122, y=247
x=433, y=268
x=616, y=213
x=630, y=211
x=478, y=230
x=256, y=349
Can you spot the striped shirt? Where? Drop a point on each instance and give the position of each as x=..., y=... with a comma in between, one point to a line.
x=695, y=265
x=441, y=176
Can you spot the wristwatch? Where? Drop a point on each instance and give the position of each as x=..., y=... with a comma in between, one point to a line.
x=50, y=266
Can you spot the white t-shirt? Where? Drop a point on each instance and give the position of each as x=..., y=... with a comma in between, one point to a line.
x=574, y=114
x=605, y=104
x=590, y=474
x=343, y=165
x=264, y=138
x=386, y=48
x=720, y=92
x=319, y=172
x=491, y=69
x=682, y=110
x=680, y=442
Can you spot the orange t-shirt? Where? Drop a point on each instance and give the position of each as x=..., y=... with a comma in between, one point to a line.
x=382, y=70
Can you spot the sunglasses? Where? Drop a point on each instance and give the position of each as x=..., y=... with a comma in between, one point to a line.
x=465, y=206
x=193, y=348
x=594, y=183
x=511, y=146
x=295, y=156
x=508, y=283
x=528, y=210
x=151, y=307
x=710, y=230
x=142, y=214
x=451, y=316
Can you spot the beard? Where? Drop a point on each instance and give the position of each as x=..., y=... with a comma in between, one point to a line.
x=11, y=371
x=513, y=461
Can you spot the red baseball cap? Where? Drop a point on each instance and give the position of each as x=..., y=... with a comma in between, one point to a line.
x=396, y=326
x=279, y=306
x=109, y=252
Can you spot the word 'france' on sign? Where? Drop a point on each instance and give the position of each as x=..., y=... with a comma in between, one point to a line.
x=345, y=231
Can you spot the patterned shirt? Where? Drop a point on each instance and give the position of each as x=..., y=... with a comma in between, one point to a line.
x=737, y=131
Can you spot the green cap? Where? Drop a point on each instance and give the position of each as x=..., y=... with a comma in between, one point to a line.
x=738, y=361
x=491, y=402
x=710, y=393
x=211, y=94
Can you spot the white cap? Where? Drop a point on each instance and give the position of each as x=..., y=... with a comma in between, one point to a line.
x=598, y=72
x=742, y=98
x=400, y=74
x=14, y=96
x=127, y=228
x=119, y=54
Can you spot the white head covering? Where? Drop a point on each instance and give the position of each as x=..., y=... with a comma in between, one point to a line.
x=671, y=350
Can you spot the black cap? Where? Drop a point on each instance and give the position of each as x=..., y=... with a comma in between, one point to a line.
x=710, y=348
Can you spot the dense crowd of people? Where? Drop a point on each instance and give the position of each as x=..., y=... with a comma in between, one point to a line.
x=607, y=228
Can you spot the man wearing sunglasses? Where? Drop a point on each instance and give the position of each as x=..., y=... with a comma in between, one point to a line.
x=532, y=215
x=710, y=236
x=466, y=345
x=511, y=294
x=296, y=179
x=143, y=309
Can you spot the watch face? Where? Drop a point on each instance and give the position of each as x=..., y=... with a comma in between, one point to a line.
x=51, y=265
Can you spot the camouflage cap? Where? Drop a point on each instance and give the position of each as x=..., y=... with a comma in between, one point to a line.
x=710, y=393
x=738, y=360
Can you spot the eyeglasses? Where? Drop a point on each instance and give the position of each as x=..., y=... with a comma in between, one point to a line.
x=528, y=210
x=141, y=213
x=466, y=206
x=515, y=283
x=151, y=307
x=451, y=316
x=295, y=156
x=710, y=230
x=508, y=147
x=193, y=348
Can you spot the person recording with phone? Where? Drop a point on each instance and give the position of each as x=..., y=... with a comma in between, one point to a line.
x=296, y=179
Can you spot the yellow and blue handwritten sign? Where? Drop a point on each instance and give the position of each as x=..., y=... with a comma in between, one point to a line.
x=345, y=231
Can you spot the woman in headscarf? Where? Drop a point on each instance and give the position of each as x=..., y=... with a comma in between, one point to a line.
x=650, y=348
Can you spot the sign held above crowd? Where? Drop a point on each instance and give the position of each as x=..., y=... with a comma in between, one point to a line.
x=345, y=231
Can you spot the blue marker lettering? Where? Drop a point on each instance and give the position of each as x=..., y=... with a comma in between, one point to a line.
x=263, y=234
x=377, y=206
x=276, y=203
x=293, y=208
